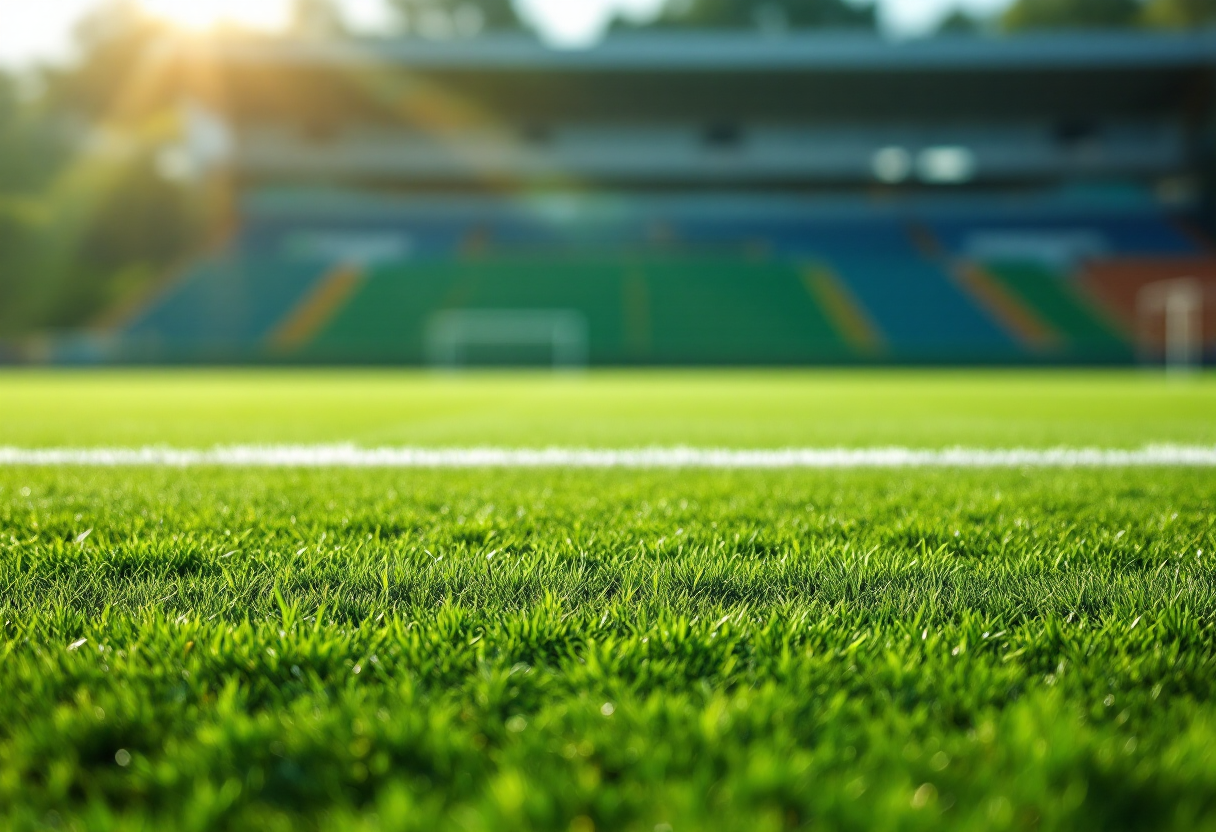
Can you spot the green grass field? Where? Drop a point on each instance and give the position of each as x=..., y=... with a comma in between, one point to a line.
x=624, y=409
x=638, y=650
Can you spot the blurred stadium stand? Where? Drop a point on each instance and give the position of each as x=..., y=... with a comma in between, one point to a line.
x=696, y=199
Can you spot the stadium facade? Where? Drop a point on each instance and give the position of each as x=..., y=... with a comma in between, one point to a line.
x=698, y=199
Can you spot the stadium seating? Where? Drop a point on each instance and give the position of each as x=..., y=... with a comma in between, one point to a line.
x=221, y=308
x=672, y=309
x=1069, y=317
x=672, y=280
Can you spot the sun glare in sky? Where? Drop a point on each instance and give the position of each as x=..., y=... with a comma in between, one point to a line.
x=206, y=14
x=32, y=31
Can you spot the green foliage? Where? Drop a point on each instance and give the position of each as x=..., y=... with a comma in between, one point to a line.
x=103, y=230
x=1181, y=13
x=141, y=225
x=21, y=223
x=1066, y=14
x=1080, y=14
x=766, y=14
x=85, y=217
x=32, y=146
x=613, y=650
x=115, y=75
x=960, y=22
x=442, y=19
x=317, y=19
x=32, y=149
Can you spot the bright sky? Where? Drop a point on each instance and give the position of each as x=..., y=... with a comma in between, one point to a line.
x=31, y=31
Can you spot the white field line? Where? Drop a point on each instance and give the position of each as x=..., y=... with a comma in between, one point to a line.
x=352, y=456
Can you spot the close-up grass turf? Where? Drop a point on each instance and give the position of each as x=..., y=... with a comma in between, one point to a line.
x=213, y=648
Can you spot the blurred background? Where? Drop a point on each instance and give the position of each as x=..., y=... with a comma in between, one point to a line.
x=587, y=182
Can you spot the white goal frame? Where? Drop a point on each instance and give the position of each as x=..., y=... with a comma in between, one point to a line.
x=1180, y=300
x=449, y=334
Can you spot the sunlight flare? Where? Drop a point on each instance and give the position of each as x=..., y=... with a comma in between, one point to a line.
x=201, y=15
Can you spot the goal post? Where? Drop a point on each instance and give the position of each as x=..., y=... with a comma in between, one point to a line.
x=456, y=337
x=1179, y=303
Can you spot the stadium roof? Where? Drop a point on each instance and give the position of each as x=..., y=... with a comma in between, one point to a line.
x=739, y=107
x=716, y=52
x=705, y=77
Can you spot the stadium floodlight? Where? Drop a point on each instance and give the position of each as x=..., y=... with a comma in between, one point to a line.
x=946, y=165
x=206, y=145
x=1180, y=302
x=451, y=335
x=892, y=165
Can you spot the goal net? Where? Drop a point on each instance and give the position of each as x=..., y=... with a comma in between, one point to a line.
x=511, y=337
x=1169, y=317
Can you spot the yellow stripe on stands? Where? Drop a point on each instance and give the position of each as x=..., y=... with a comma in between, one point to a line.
x=316, y=309
x=844, y=311
x=1010, y=312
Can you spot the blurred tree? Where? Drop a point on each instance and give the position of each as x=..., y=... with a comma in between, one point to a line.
x=1063, y=14
x=116, y=42
x=764, y=14
x=31, y=146
x=19, y=230
x=1180, y=13
x=317, y=19
x=86, y=216
x=115, y=228
x=959, y=22
x=445, y=19
x=31, y=152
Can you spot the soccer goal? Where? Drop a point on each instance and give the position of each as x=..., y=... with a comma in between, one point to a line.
x=1169, y=319
x=464, y=337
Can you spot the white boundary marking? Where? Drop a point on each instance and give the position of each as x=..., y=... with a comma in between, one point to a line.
x=353, y=456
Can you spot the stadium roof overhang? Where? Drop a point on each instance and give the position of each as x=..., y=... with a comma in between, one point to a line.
x=713, y=52
x=653, y=108
x=673, y=76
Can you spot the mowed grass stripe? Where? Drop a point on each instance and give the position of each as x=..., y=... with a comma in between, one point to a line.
x=200, y=408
